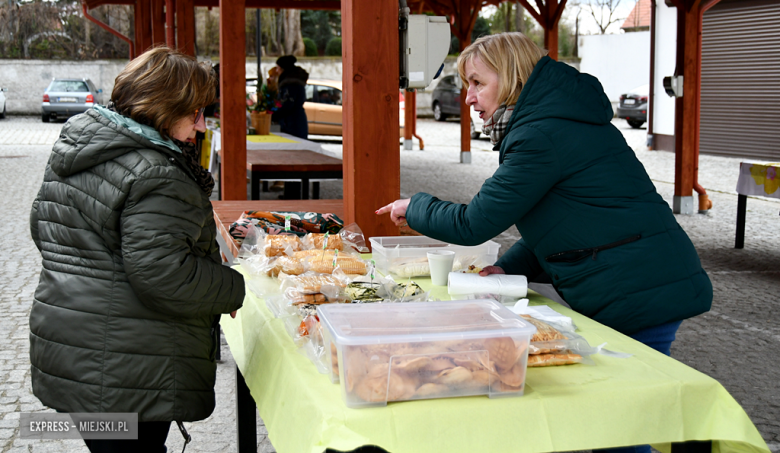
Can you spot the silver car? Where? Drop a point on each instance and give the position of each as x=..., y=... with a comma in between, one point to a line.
x=67, y=97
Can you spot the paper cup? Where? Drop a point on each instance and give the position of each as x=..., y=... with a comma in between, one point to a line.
x=440, y=262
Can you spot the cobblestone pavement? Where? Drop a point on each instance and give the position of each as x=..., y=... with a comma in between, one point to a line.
x=735, y=343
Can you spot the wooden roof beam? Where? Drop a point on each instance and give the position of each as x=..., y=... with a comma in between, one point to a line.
x=334, y=5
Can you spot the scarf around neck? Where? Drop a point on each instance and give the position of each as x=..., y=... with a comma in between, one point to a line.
x=496, y=126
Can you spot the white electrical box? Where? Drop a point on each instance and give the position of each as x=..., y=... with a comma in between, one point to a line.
x=427, y=44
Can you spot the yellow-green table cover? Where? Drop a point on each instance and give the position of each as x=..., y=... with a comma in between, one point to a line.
x=648, y=398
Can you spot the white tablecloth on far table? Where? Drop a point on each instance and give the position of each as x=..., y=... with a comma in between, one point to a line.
x=759, y=178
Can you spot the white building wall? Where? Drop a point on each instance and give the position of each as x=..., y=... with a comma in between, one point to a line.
x=620, y=62
x=665, y=62
x=26, y=80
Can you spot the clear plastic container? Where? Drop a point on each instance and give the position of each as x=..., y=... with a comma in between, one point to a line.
x=422, y=350
x=406, y=256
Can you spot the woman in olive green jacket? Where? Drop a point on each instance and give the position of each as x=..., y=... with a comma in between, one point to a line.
x=589, y=216
x=125, y=317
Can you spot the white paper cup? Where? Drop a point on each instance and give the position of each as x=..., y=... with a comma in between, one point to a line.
x=440, y=262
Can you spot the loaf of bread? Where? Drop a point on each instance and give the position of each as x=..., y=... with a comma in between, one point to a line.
x=348, y=265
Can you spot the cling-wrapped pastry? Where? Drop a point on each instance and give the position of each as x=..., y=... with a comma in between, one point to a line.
x=316, y=241
x=281, y=244
x=348, y=264
x=539, y=360
x=312, y=284
x=547, y=338
x=287, y=264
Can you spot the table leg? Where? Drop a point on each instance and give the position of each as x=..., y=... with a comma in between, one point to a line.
x=694, y=446
x=255, y=183
x=304, y=189
x=246, y=417
x=315, y=190
x=741, y=210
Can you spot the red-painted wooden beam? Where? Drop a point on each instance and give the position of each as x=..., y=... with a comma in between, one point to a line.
x=232, y=82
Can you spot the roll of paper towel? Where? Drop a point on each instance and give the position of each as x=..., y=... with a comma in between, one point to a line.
x=500, y=284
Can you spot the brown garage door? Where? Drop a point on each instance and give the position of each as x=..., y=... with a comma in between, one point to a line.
x=740, y=81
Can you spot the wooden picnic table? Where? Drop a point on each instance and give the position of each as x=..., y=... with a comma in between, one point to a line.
x=228, y=211
x=291, y=164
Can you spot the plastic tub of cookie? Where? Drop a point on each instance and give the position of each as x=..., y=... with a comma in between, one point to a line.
x=421, y=350
x=406, y=256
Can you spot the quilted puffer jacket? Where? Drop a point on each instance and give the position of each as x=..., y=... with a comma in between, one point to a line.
x=588, y=213
x=125, y=314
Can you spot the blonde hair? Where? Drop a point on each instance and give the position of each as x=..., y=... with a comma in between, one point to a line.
x=162, y=86
x=511, y=55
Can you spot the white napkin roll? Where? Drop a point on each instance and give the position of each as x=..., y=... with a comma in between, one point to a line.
x=501, y=284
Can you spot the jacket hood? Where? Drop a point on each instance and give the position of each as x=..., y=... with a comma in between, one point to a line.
x=295, y=75
x=556, y=90
x=90, y=139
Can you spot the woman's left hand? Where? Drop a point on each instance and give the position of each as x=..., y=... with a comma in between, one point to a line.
x=397, y=210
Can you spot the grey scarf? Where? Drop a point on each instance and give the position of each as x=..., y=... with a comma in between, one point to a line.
x=496, y=126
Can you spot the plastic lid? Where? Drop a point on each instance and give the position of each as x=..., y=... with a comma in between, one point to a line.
x=380, y=323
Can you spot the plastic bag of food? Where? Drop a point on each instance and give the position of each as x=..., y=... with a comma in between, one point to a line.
x=349, y=240
x=418, y=266
x=327, y=261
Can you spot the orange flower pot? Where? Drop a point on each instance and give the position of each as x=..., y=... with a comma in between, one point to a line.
x=261, y=122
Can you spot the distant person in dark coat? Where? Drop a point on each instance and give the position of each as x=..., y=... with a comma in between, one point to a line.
x=292, y=91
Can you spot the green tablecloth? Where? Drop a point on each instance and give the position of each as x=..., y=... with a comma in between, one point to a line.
x=648, y=398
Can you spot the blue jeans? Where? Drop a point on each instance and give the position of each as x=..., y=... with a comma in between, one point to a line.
x=659, y=338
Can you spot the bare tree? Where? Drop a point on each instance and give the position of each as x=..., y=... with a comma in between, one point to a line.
x=508, y=17
x=293, y=40
x=519, y=17
x=604, y=13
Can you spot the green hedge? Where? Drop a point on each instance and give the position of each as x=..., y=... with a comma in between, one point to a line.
x=310, y=47
x=333, y=49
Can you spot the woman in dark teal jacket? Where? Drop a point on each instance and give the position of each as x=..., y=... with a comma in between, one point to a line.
x=589, y=216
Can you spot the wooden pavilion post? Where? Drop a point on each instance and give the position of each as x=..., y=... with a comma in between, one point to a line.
x=170, y=23
x=158, y=22
x=465, y=20
x=688, y=107
x=232, y=83
x=372, y=169
x=143, y=26
x=185, y=26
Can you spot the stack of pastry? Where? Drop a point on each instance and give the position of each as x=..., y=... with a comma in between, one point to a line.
x=548, y=346
x=404, y=371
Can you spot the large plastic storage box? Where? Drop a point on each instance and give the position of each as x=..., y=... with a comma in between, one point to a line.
x=406, y=256
x=421, y=350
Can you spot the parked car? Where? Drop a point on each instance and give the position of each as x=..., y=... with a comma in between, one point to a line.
x=2, y=102
x=446, y=103
x=64, y=98
x=633, y=106
x=322, y=106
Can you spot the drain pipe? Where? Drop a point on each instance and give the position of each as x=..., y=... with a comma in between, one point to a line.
x=651, y=106
x=108, y=29
x=705, y=204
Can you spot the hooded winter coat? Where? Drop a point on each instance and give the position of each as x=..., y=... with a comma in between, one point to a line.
x=588, y=213
x=291, y=116
x=125, y=314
